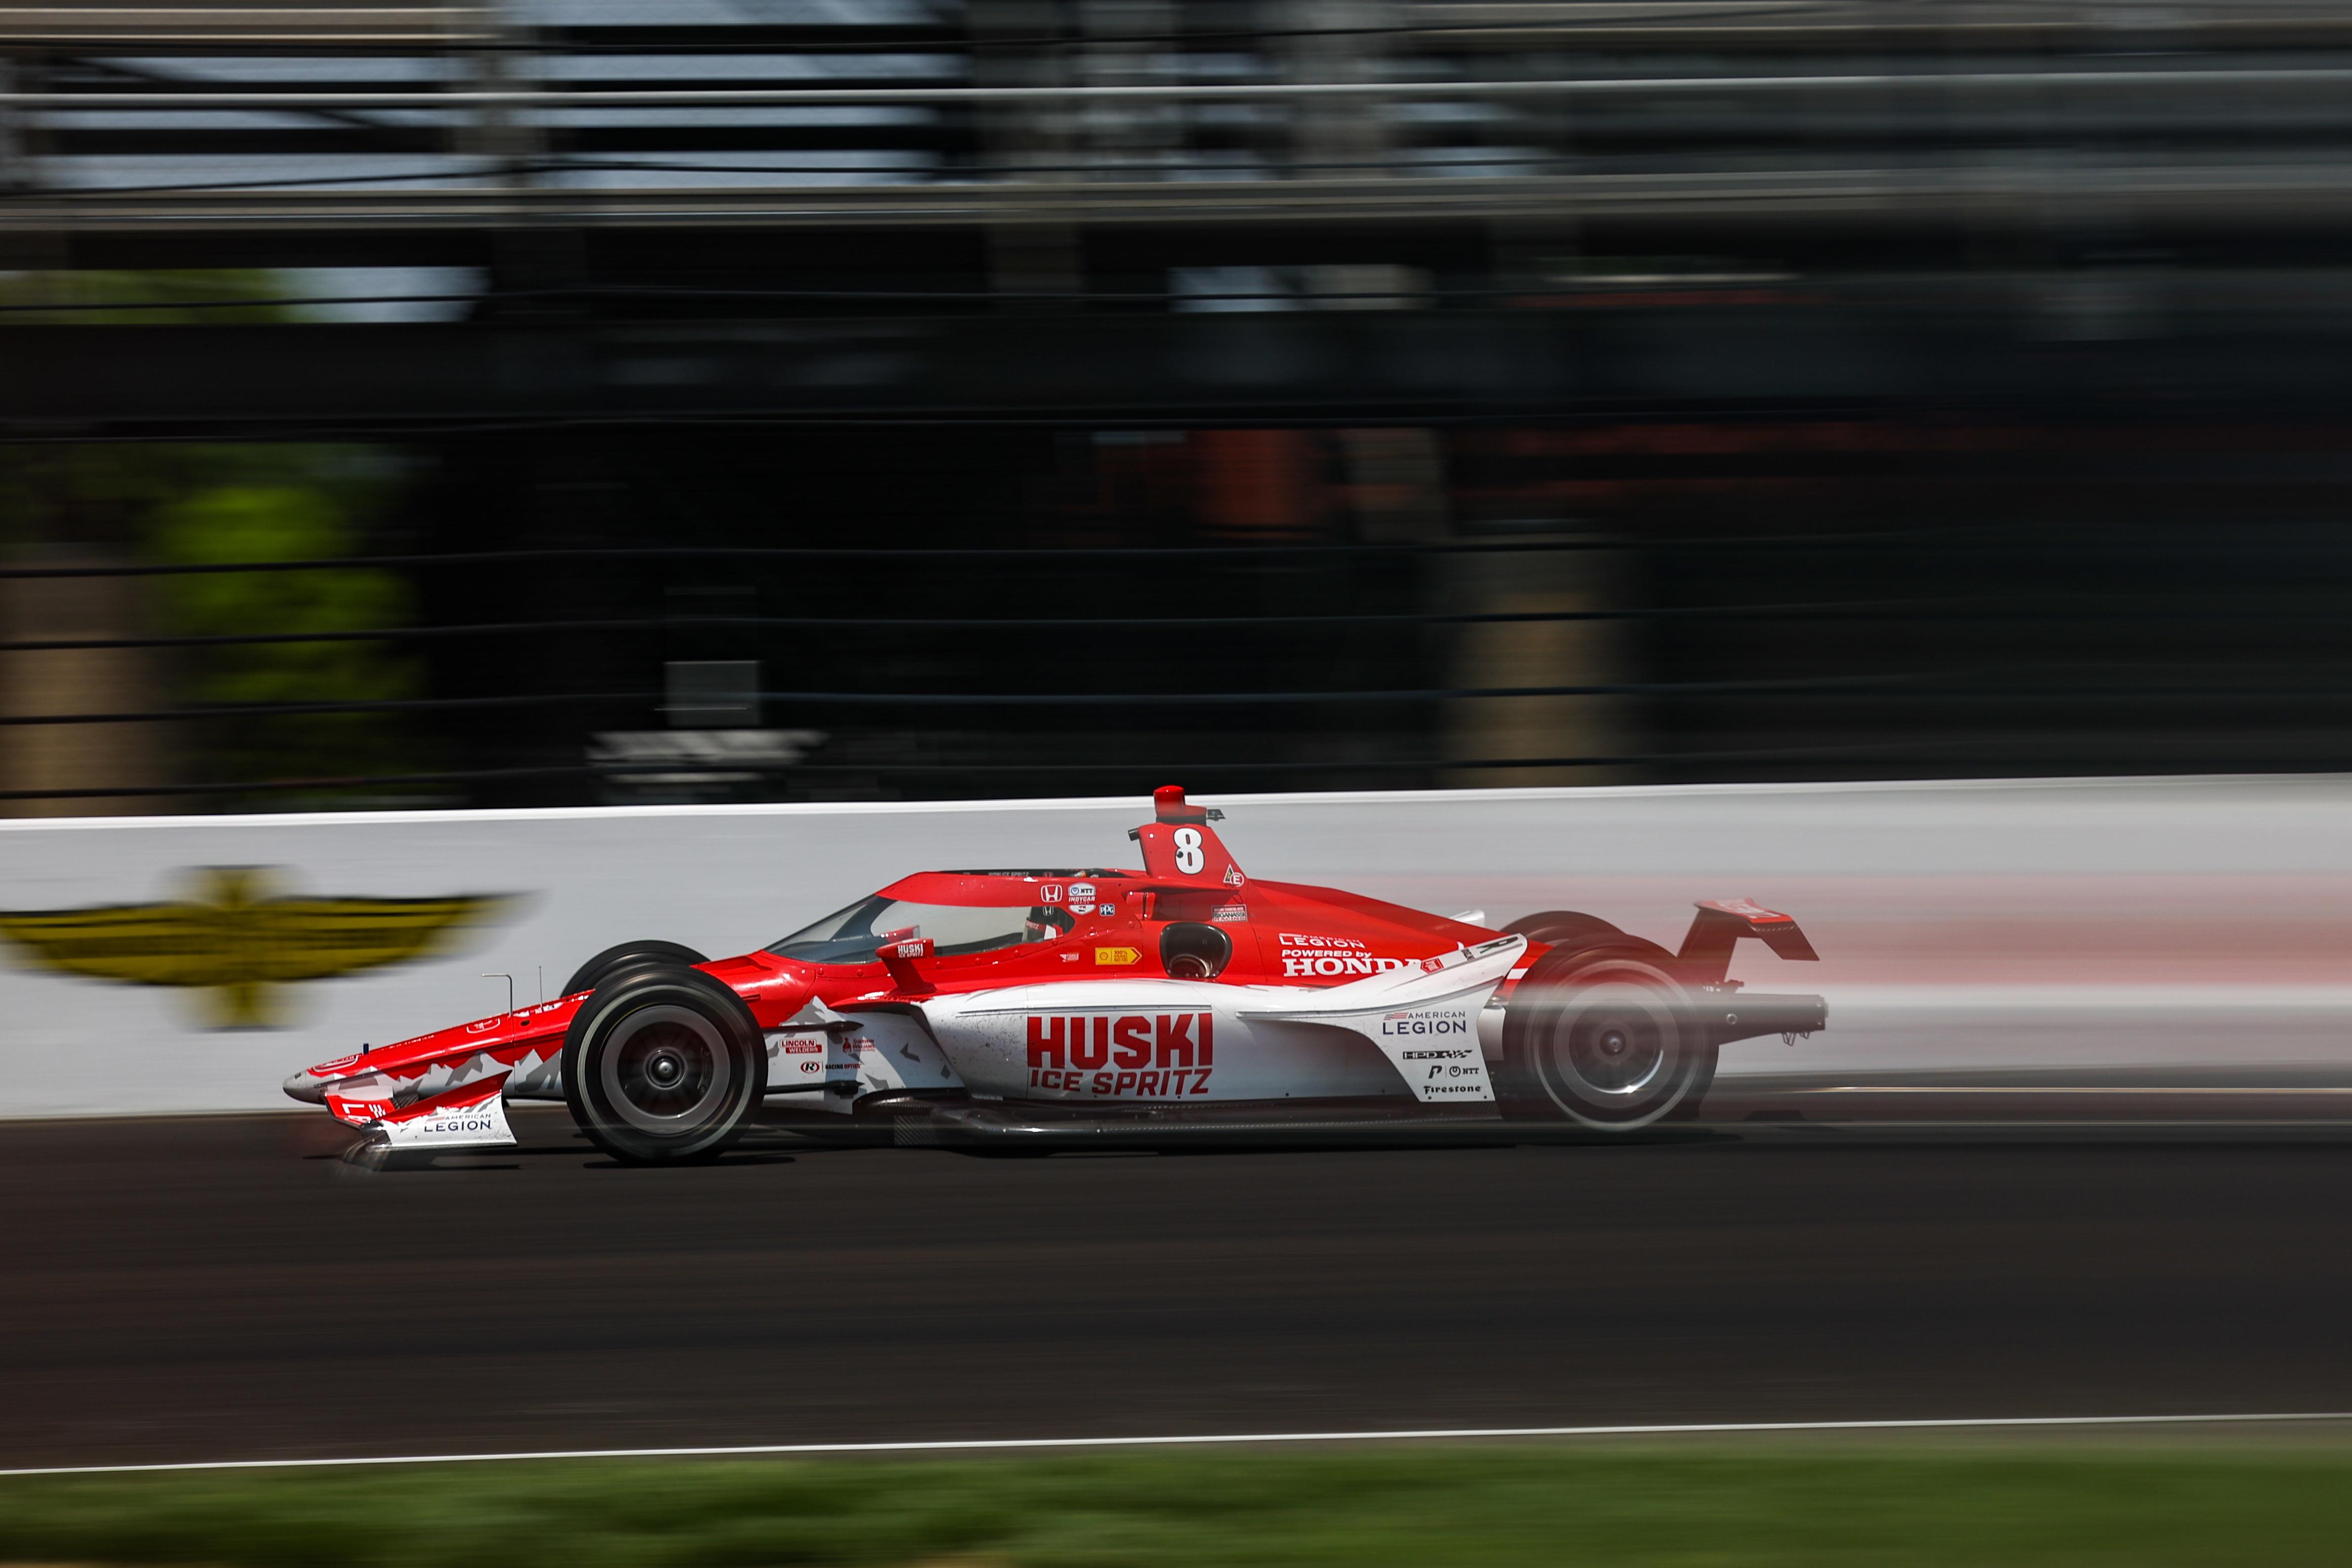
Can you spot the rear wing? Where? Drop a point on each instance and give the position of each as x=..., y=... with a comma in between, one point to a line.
x=1716, y=929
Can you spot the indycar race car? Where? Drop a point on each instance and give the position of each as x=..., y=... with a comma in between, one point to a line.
x=1179, y=993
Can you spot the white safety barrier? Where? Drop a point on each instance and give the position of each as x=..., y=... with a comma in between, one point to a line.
x=1962, y=926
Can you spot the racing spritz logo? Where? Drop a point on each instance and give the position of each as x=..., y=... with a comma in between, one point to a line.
x=1153, y=1057
x=237, y=943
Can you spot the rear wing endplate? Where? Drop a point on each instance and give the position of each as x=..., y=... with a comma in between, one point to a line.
x=1719, y=924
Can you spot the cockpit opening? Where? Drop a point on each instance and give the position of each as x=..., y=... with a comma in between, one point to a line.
x=851, y=935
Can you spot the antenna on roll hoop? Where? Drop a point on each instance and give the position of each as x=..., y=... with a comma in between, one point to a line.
x=1167, y=804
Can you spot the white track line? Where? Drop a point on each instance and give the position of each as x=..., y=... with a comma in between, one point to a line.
x=999, y=1445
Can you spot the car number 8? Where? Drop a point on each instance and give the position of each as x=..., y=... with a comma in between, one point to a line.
x=1188, y=858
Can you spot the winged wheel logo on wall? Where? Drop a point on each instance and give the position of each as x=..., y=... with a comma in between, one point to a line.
x=237, y=941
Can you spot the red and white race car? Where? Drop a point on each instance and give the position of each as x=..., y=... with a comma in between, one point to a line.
x=1182, y=991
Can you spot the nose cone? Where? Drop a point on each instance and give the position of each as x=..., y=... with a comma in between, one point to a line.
x=308, y=1086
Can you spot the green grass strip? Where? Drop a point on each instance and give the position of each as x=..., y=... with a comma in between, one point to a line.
x=1689, y=1506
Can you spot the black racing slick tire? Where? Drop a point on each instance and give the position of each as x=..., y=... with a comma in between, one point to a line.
x=1565, y=927
x=664, y=1065
x=1606, y=1039
x=628, y=955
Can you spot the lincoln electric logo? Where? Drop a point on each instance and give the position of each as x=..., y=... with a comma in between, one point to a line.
x=237, y=940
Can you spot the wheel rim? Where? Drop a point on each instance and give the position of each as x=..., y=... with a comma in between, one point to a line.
x=1613, y=1050
x=666, y=1070
x=1615, y=1053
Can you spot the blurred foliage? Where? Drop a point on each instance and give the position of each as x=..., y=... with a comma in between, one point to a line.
x=193, y=504
x=285, y=522
x=2010, y=1504
x=157, y=298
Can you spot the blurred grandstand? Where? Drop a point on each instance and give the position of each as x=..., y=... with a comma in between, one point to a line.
x=562, y=400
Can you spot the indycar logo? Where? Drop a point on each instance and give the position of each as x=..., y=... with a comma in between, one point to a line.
x=237, y=942
x=1152, y=1057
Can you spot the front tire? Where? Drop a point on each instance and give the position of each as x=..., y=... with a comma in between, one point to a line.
x=1605, y=1039
x=664, y=1065
x=628, y=955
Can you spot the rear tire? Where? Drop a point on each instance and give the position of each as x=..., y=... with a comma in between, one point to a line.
x=628, y=955
x=1688, y=1108
x=1604, y=1038
x=1572, y=931
x=1565, y=927
x=664, y=1065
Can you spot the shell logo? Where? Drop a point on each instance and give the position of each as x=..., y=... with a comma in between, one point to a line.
x=1116, y=955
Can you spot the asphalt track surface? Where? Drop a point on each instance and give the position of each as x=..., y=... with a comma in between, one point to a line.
x=230, y=1289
